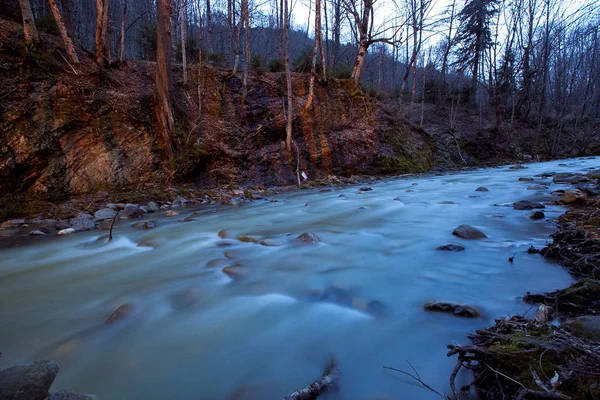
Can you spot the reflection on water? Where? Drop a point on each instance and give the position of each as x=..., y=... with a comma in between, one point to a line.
x=268, y=323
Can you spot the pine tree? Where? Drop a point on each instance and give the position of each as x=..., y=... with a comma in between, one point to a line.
x=474, y=37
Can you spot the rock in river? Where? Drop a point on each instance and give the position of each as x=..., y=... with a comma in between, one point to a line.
x=152, y=207
x=482, y=189
x=459, y=310
x=451, y=247
x=68, y=395
x=121, y=313
x=28, y=381
x=130, y=211
x=537, y=215
x=527, y=205
x=307, y=237
x=468, y=232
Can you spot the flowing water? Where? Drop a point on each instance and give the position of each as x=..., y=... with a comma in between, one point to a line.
x=270, y=325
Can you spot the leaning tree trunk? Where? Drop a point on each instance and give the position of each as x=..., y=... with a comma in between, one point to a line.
x=29, y=29
x=313, y=66
x=360, y=60
x=63, y=32
x=163, y=64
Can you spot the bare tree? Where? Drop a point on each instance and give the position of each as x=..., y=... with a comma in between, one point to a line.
x=29, y=29
x=163, y=66
x=246, y=20
x=70, y=49
x=122, y=50
x=317, y=42
x=183, y=32
x=362, y=14
x=288, y=78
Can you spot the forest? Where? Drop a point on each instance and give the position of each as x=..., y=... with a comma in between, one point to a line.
x=299, y=199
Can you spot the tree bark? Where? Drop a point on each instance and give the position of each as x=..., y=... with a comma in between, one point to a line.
x=200, y=38
x=122, y=50
x=360, y=60
x=288, y=78
x=183, y=31
x=208, y=27
x=29, y=29
x=63, y=32
x=246, y=19
x=106, y=47
x=163, y=66
x=313, y=67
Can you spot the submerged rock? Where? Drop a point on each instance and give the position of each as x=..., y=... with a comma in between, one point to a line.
x=145, y=225
x=365, y=189
x=36, y=233
x=451, y=247
x=171, y=213
x=518, y=166
x=307, y=238
x=482, y=189
x=120, y=313
x=68, y=395
x=525, y=179
x=459, y=310
x=537, y=187
x=527, y=205
x=567, y=177
x=468, y=232
x=28, y=381
x=152, y=207
x=537, y=215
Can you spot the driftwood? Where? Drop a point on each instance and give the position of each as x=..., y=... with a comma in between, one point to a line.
x=329, y=380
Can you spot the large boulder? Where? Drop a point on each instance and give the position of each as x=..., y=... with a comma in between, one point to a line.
x=28, y=381
x=573, y=196
x=13, y=223
x=152, y=207
x=468, y=232
x=567, y=177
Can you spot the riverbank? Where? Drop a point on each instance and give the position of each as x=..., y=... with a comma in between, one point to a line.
x=554, y=352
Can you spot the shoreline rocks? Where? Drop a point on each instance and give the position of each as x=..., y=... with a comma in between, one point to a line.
x=460, y=310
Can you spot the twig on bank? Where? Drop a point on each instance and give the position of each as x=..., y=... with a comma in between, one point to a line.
x=415, y=377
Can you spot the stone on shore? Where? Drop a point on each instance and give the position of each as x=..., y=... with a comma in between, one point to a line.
x=152, y=207
x=104, y=214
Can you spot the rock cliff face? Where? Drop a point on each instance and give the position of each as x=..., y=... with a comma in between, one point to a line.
x=68, y=131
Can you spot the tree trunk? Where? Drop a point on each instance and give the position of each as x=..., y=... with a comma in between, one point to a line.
x=63, y=32
x=360, y=60
x=183, y=31
x=313, y=67
x=320, y=33
x=288, y=78
x=208, y=27
x=122, y=51
x=246, y=17
x=104, y=30
x=163, y=66
x=199, y=86
x=29, y=29
x=99, y=28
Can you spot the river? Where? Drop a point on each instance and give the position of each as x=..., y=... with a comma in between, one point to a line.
x=270, y=326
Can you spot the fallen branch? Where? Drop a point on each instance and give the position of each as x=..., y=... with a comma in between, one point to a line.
x=329, y=380
x=416, y=377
